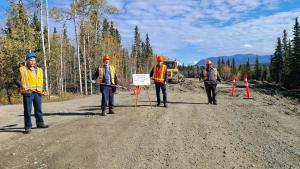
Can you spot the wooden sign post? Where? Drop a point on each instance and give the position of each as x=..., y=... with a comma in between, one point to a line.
x=141, y=80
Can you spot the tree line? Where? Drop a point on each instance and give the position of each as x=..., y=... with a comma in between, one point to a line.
x=283, y=68
x=285, y=61
x=69, y=62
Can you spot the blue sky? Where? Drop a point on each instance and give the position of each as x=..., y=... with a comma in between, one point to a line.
x=190, y=30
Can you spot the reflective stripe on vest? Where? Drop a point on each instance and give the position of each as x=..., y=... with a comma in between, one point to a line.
x=31, y=82
x=112, y=74
x=159, y=75
x=215, y=74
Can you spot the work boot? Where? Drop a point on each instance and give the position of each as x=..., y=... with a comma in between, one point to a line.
x=111, y=111
x=43, y=126
x=165, y=105
x=103, y=113
x=214, y=103
x=27, y=131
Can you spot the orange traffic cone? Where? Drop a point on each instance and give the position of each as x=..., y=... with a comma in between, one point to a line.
x=233, y=85
x=247, y=87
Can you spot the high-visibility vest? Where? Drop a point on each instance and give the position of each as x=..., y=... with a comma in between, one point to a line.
x=112, y=74
x=215, y=74
x=159, y=73
x=30, y=82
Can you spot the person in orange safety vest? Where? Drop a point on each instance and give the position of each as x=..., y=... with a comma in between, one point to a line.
x=30, y=81
x=159, y=74
x=210, y=77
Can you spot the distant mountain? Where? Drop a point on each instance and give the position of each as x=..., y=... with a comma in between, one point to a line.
x=239, y=59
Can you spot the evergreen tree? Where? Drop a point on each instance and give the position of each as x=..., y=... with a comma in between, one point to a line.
x=233, y=67
x=118, y=37
x=36, y=25
x=105, y=27
x=148, y=54
x=264, y=74
x=277, y=63
x=295, y=58
x=220, y=66
x=286, y=58
x=248, y=68
x=136, y=52
x=228, y=62
x=257, y=69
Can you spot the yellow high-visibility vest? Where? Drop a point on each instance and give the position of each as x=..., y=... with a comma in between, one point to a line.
x=215, y=74
x=112, y=74
x=159, y=73
x=29, y=82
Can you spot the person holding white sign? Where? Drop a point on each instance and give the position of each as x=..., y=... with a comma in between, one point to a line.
x=159, y=74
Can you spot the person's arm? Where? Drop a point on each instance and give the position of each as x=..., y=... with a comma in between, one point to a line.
x=166, y=76
x=219, y=77
x=151, y=73
x=116, y=79
x=18, y=80
x=96, y=75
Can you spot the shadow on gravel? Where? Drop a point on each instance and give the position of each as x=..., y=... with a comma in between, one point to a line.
x=11, y=128
x=92, y=109
x=144, y=105
x=98, y=108
x=176, y=102
x=68, y=114
x=91, y=106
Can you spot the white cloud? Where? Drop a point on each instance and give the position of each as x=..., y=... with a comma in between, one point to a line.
x=247, y=46
x=173, y=25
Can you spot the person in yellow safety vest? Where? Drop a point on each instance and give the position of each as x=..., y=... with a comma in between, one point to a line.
x=30, y=81
x=211, y=76
x=107, y=77
x=159, y=74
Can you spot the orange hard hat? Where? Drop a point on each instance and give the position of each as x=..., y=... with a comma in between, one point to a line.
x=105, y=57
x=159, y=58
x=208, y=62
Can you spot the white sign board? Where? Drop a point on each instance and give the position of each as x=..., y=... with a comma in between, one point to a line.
x=141, y=79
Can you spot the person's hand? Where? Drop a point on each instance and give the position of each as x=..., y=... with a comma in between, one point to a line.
x=93, y=81
x=45, y=93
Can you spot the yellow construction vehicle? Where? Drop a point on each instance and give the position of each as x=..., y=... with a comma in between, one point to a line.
x=172, y=72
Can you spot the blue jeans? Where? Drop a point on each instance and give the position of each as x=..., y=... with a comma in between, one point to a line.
x=107, y=97
x=36, y=100
x=163, y=88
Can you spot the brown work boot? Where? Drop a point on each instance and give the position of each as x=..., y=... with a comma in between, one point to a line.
x=111, y=111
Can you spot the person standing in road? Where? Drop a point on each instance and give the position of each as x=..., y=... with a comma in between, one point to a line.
x=30, y=80
x=108, y=81
x=159, y=74
x=211, y=76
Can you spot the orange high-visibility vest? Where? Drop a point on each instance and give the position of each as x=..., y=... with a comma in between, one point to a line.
x=112, y=74
x=215, y=74
x=29, y=82
x=159, y=73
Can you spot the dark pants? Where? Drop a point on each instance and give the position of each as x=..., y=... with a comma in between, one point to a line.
x=36, y=99
x=211, y=92
x=163, y=88
x=107, y=97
